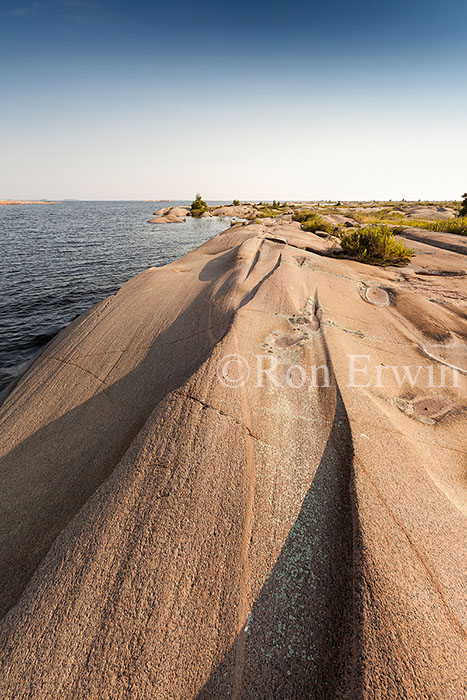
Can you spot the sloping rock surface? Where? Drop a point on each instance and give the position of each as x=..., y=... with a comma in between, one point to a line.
x=166, y=536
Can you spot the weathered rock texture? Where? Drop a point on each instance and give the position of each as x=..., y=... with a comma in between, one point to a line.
x=164, y=536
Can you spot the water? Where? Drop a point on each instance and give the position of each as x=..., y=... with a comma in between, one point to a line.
x=57, y=260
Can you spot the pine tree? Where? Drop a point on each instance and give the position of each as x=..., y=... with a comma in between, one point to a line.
x=198, y=206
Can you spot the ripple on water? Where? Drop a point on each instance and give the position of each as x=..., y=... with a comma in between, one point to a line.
x=59, y=259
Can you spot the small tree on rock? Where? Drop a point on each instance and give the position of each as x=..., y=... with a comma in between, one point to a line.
x=198, y=206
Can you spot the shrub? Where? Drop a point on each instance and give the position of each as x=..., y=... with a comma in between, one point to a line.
x=236, y=203
x=316, y=223
x=302, y=215
x=375, y=244
x=312, y=222
x=463, y=211
x=198, y=206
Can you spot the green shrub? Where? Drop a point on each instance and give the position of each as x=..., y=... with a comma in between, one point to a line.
x=302, y=215
x=463, y=210
x=316, y=223
x=312, y=222
x=198, y=206
x=236, y=203
x=375, y=244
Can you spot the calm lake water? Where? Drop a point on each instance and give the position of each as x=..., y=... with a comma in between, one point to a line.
x=57, y=260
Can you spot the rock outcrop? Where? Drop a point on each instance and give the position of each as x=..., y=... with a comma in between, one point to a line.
x=173, y=528
x=241, y=211
x=170, y=215
x=431, y=213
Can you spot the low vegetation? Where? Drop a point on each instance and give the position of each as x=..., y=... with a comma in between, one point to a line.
x=310, y=221
x=463, y=209
x=457, y=225
x=375, y=244
x=302, y=215
x=372, y=217
x=317, y=223
x=236, y=203
x=198, y=206
x=269, y=211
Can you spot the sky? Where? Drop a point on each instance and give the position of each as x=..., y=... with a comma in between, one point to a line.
x=248, y=100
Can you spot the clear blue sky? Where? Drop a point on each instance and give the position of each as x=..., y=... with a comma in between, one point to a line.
x=147, y=100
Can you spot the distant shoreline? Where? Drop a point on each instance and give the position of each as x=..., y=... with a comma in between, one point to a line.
x=6, y=202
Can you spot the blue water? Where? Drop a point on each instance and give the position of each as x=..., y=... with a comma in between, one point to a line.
x=57, y=260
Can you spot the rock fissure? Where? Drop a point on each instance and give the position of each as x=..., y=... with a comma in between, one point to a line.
x=220, y=412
